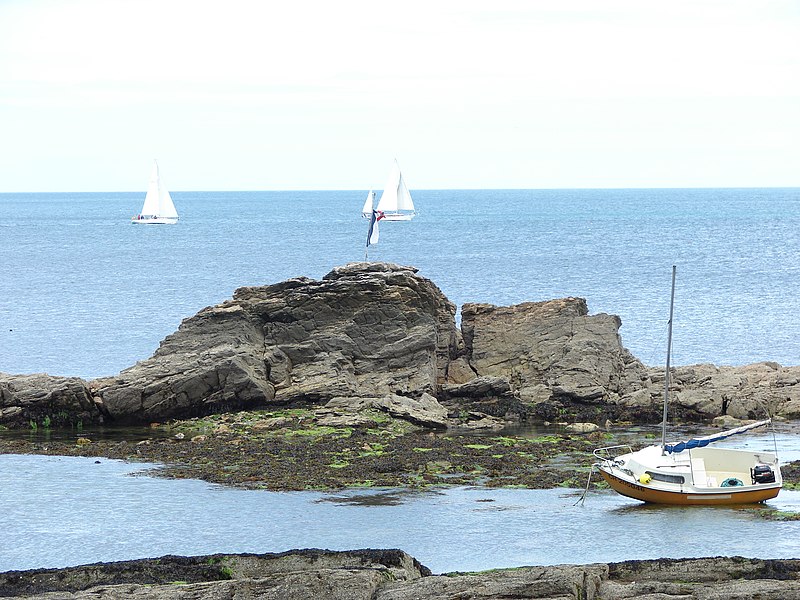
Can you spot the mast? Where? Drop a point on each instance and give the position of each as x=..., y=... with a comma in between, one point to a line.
x=666, y=375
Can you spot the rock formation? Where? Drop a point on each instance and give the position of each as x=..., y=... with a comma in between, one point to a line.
x=41, y=398
x=394, y=575
x=365, y=330
x=552, y=354
x=382, y=336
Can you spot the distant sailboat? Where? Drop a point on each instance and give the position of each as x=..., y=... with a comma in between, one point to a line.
x=396, y=203
x=369, y=204
x=158, y=207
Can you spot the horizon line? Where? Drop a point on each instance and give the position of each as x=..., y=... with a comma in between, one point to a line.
x=435, y=189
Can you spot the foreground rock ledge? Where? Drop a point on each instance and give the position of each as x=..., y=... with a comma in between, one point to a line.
x=394, y=575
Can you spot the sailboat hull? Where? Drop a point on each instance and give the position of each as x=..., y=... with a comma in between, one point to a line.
x=702, y=476
x=689, y=496
x=397, y=217
x=155, y=221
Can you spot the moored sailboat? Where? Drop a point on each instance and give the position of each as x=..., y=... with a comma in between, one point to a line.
x=158, y=208
x=691, y=472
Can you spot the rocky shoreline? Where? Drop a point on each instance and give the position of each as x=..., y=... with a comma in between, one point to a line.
x=395, y=575
x=380, y=336
x=363, y=379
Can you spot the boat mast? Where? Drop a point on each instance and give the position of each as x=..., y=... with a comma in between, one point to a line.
x=666, y=375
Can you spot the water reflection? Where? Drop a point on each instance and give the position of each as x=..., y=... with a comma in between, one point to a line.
x=96, y=433
x=58, y=511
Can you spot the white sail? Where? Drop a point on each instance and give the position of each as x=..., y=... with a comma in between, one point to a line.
x=404, y=201
x=158, y=206
x=369, y=203
x=396, y=202
x=151, y=200
x=166, y=208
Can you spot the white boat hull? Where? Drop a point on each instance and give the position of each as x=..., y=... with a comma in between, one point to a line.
x=397, y=217
x=155, y=220
x=689, y=495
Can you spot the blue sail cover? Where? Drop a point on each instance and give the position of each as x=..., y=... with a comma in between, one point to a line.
x=706, y=440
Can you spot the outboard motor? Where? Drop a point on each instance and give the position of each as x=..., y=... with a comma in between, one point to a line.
x=762, y=474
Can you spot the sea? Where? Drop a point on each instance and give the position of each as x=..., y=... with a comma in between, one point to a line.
x=86, y=293
x=45, y=523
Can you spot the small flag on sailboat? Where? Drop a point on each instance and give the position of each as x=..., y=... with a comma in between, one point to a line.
x=372, y=234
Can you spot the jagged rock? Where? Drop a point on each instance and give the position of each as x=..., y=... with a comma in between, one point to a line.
x=554, y=345
x=394, y=575
x=791, y=408
x=459, y=371
x=213, y=363
x=366, y=329
x=426, y=411
x=491, y=396
x=478, y=387
x=345, y=412
x=534, y=394
x=701, y=392
x=374, y=330
x=295, y=574
x=42, y=398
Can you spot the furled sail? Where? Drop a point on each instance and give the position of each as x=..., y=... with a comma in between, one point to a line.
x=699, y=442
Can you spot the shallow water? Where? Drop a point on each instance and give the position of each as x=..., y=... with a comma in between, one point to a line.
x=42, y=435
x=60, y=511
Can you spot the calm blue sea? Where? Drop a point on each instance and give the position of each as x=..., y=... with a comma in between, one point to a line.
x=86, y=293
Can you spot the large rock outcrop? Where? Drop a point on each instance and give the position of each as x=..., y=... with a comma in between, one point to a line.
x=365, y=329
x=394, y=575
x=552, y=354
x=564, y=364
x=383, y=332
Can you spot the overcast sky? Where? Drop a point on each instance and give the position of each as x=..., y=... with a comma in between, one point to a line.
x=268, y=95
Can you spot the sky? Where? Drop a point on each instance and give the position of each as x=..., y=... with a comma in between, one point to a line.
x=268, y=95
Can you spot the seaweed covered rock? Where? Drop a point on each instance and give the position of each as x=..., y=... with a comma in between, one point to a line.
x=45, y=400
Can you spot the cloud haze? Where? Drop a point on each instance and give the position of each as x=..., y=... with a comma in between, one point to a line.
x=320, y=95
